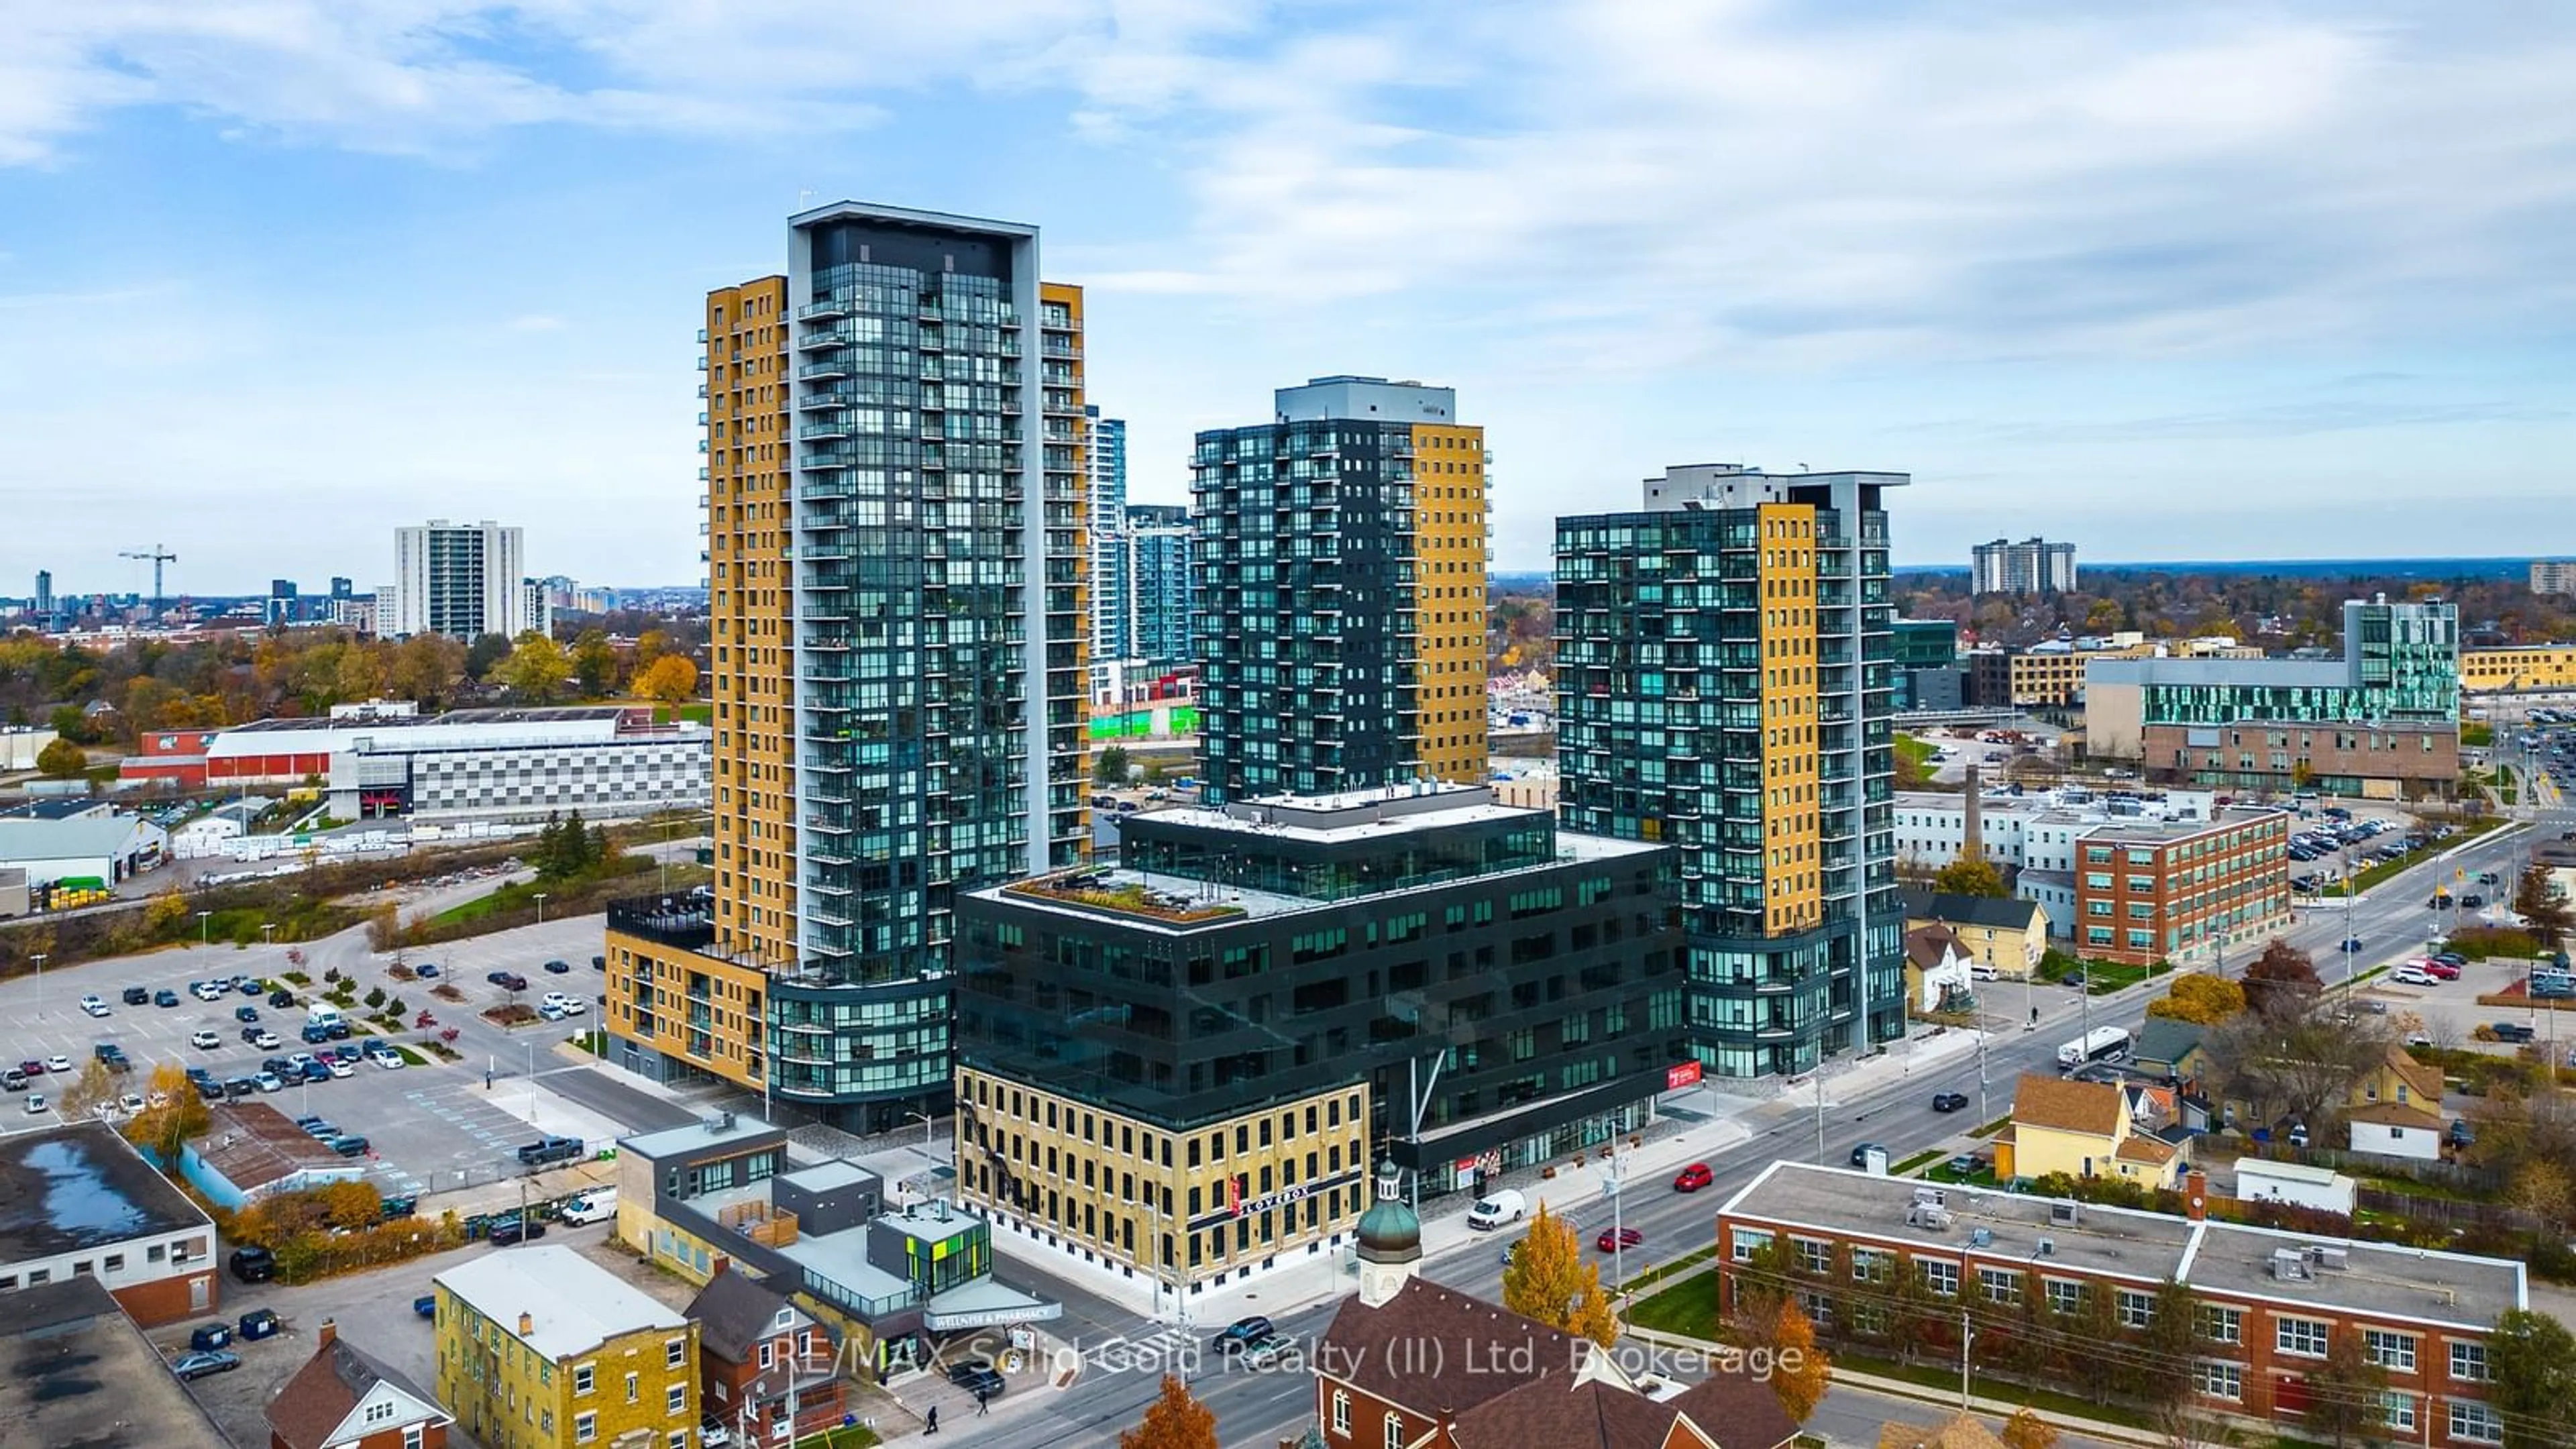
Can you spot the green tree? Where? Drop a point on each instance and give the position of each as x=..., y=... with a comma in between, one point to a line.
x=594, y=663
x=484, y=654
x=72, y=723
x=1109, y=767
x=2199, y=998
x=62, y=760
x=2532, y=1359
x=2161, y=1375
x=1967, y=876
x=2344, y=1392
x=535, y=669
x=2538, y=900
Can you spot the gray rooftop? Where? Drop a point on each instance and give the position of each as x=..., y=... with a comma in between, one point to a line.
x=65, y=839
x=573, y=1304
x=726, y=1130
x=81, y=1186
x=74, y=1370
x=2267, y=673
x=2226, y=1259
x=824, y=1176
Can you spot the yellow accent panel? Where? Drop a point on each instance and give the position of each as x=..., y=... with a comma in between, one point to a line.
x=1792, y=837
x=1449, y=600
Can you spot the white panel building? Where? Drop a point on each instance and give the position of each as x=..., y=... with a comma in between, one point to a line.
x=459, y=579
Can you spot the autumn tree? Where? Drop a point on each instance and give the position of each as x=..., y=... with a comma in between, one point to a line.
x=1970, y=876
x=536, y=668
x=670, y=679
x=2539, y=901
x=1592, y=1316
x=650, y=645
x=92, y=1089
x=2283, y=981
x=1175, y=1420
x=60, y=759
x=2531, y=1359
x=2343, y=1392
x=1800, y=1371
x=1547, y=1271
x=594, y=663
x=2297, y=1065
x=2027, y=1430
x=2199, y=998
x=173, y=1114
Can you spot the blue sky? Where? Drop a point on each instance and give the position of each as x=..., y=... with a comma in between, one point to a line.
x=2184, y=281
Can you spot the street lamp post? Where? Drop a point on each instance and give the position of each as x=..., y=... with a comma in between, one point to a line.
x=205, y=924
x=541, y=908
x=929, y=1128
x=267, y=933
x=39, y=959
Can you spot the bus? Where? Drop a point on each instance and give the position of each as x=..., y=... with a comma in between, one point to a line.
x=2102, y=1043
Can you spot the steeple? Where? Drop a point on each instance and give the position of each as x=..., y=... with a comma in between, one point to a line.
x=1390, y=1240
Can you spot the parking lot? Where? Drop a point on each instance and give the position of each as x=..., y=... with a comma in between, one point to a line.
x=430, y=1127
x=2450, y=1013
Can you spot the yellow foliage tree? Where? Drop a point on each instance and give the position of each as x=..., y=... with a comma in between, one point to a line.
x=174, y=1114
x=1593, y=1317
x=167, y=909
x=1175, y=1420
x=1970, y=877
x=1800, y=1371
x=670, y=679
x=91, y=1090
x=1546, y=1271
x=2027, y=1430
x=2199, y=998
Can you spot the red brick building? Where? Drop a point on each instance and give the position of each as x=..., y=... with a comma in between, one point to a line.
x=2271, y=1305
x=77, y=1201
x=2149, y=891
x=173, y=757
x=345, y=1398
x=753, y=1348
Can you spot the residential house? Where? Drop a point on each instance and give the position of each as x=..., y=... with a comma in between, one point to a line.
x=1959, y=1431
x=762, y=1360
x=2272, y=1304
x=2297, y=1183
x=2004, y=937
x=540, y=1348
x=1936, y=972
x=2082, y=1129
x=2176, y=1050
x=2395, y=1110
x=2399, y=1078
x=346, y=1398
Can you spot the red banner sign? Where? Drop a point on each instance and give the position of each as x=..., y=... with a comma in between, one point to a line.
x=1685, y=1075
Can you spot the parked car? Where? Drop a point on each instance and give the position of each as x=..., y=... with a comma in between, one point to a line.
x=136, y=996
x=1612, y=1239
x=36, y=1103
x=245, y=1013
x=1860, y=1154
x=281, y=997
x=2443, y=970
x=426, y=971
x=2511, y=1031
x=94, y=1006
x=558, y=968
x=252, y=1265
x=59, y=1063
x=509, y=1229
x=2413, y=975
x=269, y=1082
x=1949, y=1101
x=1693, y=1178
x=348, y=1146
x=549, y=1149
x=239, y=1087
x=202, y=1365
x=165, y=997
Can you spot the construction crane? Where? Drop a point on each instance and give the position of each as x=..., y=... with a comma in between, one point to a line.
x=159, y=556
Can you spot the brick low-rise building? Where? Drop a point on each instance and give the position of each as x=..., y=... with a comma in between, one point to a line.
x=761, y=1358
x=346, y=1398
x=2150, y=892
x=77, y=1201
x=2270, y=1305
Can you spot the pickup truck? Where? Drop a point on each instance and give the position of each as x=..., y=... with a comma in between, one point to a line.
x=550, y=1149
x=2511, y=1031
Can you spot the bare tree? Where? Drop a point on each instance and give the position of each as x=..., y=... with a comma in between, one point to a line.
x=2300, y=1066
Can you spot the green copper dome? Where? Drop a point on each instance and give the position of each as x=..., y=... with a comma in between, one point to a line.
x=1389, y=1229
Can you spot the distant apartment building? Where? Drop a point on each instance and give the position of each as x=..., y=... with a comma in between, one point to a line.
x=1161, y=547
x=1341, y=592
x=1722, y=687
x=44, y=600
x=463, y=580
x=2518, y=667
x=1112, y=597
x=2032, y=566
x=1184, y=1066
x=898, y=526
x=2272, y=1305
x=2381, y=721
x=2553, y=576
x=1925, y=666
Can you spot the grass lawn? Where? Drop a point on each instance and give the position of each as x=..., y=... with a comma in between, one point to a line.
x=473, y=910
x=1679, y=1265
x=2386, y=869
x=410, y=1057
x=1917, y=1160
x=1946, y=1378
x=856, y=1436
x=1991, y=1128
x=1688, y=1307
x=1982, y=1177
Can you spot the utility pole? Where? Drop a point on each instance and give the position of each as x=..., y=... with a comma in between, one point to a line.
x=1981, y=1076
x=1618, y=1221
x=1967, y=1336
x=1820, y=1114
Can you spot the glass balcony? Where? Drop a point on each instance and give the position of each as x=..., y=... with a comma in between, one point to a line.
x=824, y=310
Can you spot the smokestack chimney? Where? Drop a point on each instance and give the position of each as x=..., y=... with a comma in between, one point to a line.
x=2195, y=1194
x=527, y=1324
x=1972, y=842
x=323, y=1336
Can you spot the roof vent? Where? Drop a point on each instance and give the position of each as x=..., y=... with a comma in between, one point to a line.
x=2289, y=1265
x=2063, y=1213
x=2048, y=1247
x=1981, y=1237
x=2334, y=1258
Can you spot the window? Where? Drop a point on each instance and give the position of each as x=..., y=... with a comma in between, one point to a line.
x=1814, y=1255
x=1871, y=1265
x=2397, y=1410
x=1341, y=1411
x=2469, y=1362
x=585, y=1427
x=2063, y=1296
x=634, y=1389
x=2137, y=1310
x=581, y=1373
x=1942, y=1278
x=2475, y=1422
x=2305, y=1337
x=679, y=1439
x=2219, y=1379
x=2222, y=1325
x=115, y=1262
x=378, y=1413
x=2389, y=1350
x=411, y=1436
x=2002, y=1285
x=765, y=1355
x=675, y=1399
x=675, y=1352
x=1395, y=1431
x=1749, y=1241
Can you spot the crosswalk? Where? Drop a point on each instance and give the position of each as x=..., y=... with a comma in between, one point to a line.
x=1167, y=1348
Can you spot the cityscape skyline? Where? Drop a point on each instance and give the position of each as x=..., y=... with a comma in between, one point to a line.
x=2003, y=297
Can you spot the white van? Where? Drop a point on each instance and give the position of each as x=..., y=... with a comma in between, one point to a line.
x=323, y=1015
x=1506, y=1206
x=591, y=1207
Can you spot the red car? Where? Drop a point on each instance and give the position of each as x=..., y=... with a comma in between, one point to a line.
x=1693, y=1178
x=2443, y=969
x=1622, y=1238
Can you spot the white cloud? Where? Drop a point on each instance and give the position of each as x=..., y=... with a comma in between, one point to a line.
x=535, y=322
